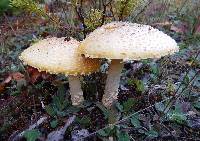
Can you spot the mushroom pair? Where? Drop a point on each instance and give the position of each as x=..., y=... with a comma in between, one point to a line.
x=116, y=41
x=57, y=55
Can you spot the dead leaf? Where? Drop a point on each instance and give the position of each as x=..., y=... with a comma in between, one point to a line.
x=3, y=84
x=46, y=8
x=7, y=80
x=30, y=69
x=198, y=29
x=35, y=76
x=180, y=28
x=2, y=88
x=45, y=75
x=17, y=76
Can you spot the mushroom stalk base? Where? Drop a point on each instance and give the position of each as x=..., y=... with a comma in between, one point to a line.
x=112, y=83
x=75, y=90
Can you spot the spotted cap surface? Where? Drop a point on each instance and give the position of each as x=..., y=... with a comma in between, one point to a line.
x=57, y=55
x=127, y=41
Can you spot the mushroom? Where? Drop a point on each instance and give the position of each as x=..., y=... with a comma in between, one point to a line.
x=122, y=41
x=57, y=55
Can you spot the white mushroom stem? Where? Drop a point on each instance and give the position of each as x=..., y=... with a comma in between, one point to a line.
x=75, y=90
x=112, y=83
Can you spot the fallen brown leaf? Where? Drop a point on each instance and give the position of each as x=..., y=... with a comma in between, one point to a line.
x=180, y=28
x=17, y=76
x=7, y=80
x=35, y=76
x=198, y=29
x=2, y=88
x=30, y=69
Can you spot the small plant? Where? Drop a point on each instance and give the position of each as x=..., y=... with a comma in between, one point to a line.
x=32, y=135
x=4, y=6
x=93, y=19
x=125, y=7
x=28, y=6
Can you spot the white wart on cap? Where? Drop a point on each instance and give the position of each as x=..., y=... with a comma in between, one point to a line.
x=57, y=55
x=119, y=41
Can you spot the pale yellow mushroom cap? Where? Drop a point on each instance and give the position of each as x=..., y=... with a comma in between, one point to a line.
x=127, y=41
x=55, y=55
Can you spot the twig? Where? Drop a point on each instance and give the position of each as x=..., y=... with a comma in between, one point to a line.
x=111, y=10
x=79, y=11
x=143, y=9
x=31, y=127
x=9, y=24
x=122, y=10
x=149, y=107
x=59, y=134
x=45, y=14
x=104, y=11
x=182, y=6
x=124, y=119
x=177, y=96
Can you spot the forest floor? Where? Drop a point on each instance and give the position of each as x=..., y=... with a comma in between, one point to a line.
x=161, y=98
